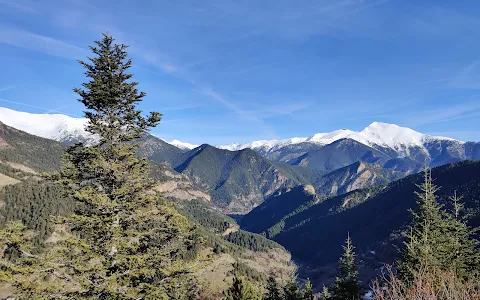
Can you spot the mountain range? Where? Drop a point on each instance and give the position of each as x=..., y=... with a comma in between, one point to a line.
x=297, y=193
x=240, y=177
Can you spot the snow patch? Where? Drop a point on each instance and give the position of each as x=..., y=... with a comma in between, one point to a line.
x=182, y=145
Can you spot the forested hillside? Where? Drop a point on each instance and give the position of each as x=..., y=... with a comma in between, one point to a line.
x=374, y=216
x=28, y=150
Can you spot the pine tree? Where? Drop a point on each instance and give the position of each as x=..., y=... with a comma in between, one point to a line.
x=345, y=284
x=308, y=291
x=126, y=243
x=291, y=290
x=273, y=292
x=241, y=290
x=464, y=256
x=438, y=240
x=325, y=294
x=426, y=245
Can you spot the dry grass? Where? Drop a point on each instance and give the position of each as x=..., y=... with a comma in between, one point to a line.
x=438, y=285
x=5, y=180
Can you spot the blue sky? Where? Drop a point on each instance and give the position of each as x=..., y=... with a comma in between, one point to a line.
x=222, y=71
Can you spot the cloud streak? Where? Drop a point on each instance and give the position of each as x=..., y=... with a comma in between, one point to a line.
x=445, y=114
x=6, y=88
x=28, y=40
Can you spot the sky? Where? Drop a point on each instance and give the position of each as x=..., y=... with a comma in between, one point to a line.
x=225, y=71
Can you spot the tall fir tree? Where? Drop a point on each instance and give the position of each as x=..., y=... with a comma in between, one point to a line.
x=126, y=243
x=345, y=285
x=325, y=294
x=438, y=240
x=273, y=291
x=426, y=245
x=308, y=291
x=464, y=254
x=241, y=290
x=291, y=290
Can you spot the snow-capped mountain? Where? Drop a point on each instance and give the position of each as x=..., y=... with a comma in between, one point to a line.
x=182, y=145
x=390, y=139
x=377, y=135
x=57, y=127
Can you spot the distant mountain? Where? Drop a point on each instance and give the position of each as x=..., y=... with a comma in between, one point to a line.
x=269, y=217
x=65, y=129
x=355, y=176
x=374, y=217
x=182, y=145
x=158, y=150
x=237, y=180
x=376, y=135
x=339, y=154
x=26, y=151
x=392, y=146
x=56, y=127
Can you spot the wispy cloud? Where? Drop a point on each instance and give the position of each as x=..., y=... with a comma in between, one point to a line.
x=278, y=109
x=468, y=76
x=6, y=88
x=28, y=40
x=18, y=6
x=205, y=89
x=46, y=110
x=444, y=114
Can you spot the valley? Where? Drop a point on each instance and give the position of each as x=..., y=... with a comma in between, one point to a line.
x=292, y=193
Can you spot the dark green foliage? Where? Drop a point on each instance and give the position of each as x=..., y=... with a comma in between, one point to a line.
x=276, y=209
x=345, y=285
x=127, y=243
x=242, y=269
x=241, y=290
x=325, y=294
x=439, y=240
x=464, y=247
x=35, y=152
x=308, y=291
x=291, y=291
x=204, y=213
x=252, y=241
x=372, y=215
x=34, y=203
x=273, y=291
x=11, y=172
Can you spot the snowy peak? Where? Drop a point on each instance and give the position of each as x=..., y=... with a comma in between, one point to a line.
x=57, y=127
x=68, y=129
x=182, y=145
x=393, y=136
x=328, y=138
x=376, y=134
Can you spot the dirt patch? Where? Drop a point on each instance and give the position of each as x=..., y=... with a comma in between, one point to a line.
x=217, y=275
x=5, y=180
x=3, y=144
x=21, y=167
x=6, y=290
x=231, y=229
x=181, y=190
